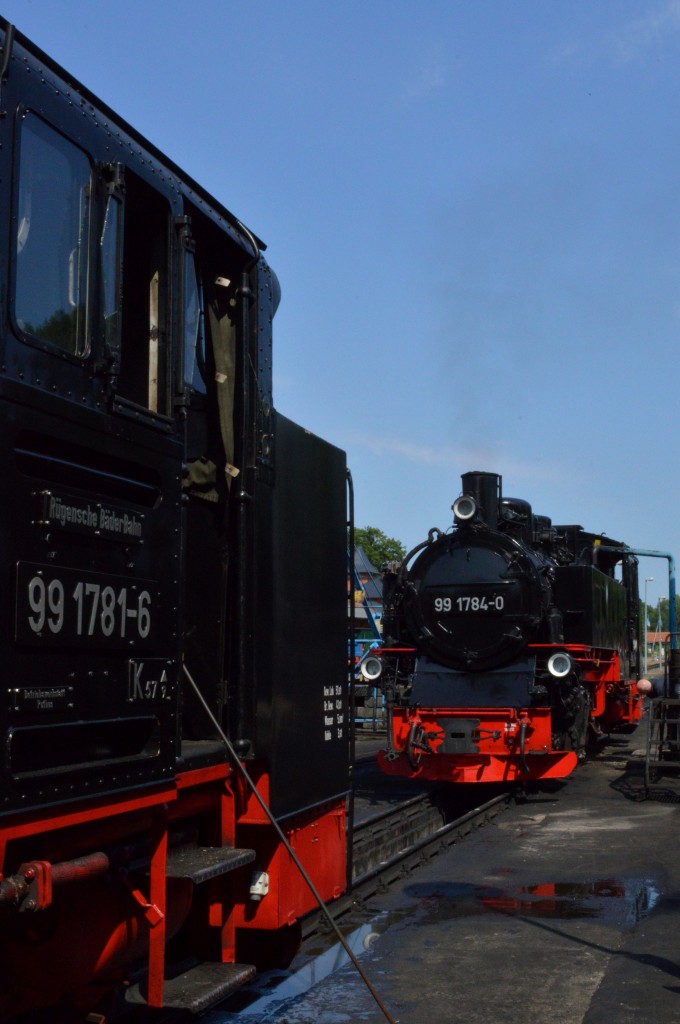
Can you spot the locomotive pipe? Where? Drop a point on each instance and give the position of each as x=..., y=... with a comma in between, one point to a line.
x=13, y=890
x=390, y=753
x=82, y=867
x=35, y=880
x=243, y=498
x=433, y=535
x=672, y=617
x=522, y=741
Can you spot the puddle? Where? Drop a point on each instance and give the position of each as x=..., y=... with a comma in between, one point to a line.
x=620, y=902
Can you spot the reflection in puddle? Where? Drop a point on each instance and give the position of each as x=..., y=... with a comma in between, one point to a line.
x=620, y=902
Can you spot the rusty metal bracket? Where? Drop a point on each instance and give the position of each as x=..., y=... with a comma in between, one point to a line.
x=38, y=877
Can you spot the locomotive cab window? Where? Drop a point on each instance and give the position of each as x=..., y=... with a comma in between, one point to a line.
x=209, y=358
x=194, y=334
x=144, y=377
x=109, y=261
x=52, y=238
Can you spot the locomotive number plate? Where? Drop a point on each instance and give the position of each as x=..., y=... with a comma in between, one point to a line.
x=469, y=603
x=57, y=606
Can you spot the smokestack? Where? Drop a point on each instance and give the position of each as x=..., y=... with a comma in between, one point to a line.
x=485, y=488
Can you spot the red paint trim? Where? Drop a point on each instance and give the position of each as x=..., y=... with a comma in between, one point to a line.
x=35, y=822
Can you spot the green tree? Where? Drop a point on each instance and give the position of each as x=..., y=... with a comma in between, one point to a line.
x=378, y=547
x=653, y=614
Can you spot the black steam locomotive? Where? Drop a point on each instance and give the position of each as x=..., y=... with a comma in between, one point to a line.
x=507, y=643
x=156, y=562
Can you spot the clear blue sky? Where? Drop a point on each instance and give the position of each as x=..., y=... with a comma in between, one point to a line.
x=474, y=210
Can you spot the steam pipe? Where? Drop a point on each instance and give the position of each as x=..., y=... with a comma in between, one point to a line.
x=644, y=553
x=522, y=744
x=31, y=888
x=243, y=499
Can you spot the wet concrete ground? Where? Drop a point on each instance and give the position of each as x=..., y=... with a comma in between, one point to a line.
x=564, y=909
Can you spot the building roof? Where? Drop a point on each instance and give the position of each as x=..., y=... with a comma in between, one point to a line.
x=362, y=562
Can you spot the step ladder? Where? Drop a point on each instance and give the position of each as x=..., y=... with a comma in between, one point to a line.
x=663, y=740
x=197, y=986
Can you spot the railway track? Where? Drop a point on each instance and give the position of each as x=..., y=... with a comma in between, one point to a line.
x=385, y=836
x=385, y=846
x=396, y=840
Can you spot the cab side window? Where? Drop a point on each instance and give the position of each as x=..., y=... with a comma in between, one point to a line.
x=52, y=237
x=91, y=264
x=144, y=367
x=110, y=274
x=209, y=359
x=194, y=333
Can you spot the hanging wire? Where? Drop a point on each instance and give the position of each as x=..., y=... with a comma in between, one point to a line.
x=277, y=828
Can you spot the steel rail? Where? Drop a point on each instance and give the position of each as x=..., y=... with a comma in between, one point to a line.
x=444, y=835
x=387, y=871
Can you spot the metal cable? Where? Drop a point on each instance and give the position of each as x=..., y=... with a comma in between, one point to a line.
x=277, y=828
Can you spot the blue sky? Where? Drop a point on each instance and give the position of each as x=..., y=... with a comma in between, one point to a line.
x=473, y=207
